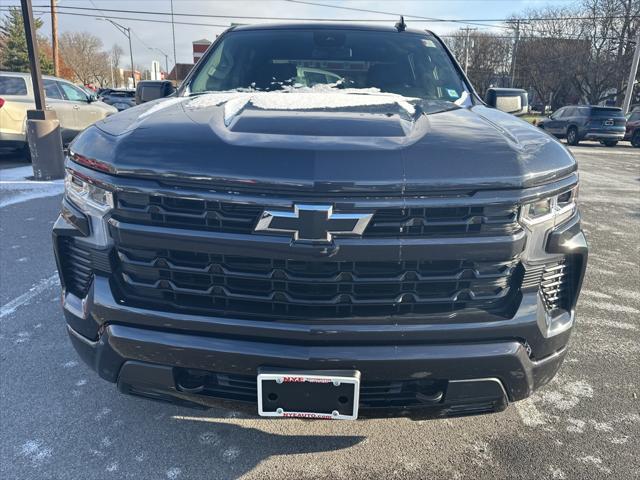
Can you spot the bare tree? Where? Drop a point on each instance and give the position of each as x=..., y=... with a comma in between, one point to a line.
x=580, y=53
x=116, y=55
x=488, y=57
x=82, y=52
x=611, y=26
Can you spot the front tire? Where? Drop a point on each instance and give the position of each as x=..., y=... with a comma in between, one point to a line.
x=572, y=136
x=635, y=140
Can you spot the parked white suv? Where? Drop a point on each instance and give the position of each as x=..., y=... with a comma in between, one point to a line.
x=75, y=108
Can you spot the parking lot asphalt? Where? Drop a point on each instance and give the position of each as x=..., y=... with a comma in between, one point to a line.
x=60, y=421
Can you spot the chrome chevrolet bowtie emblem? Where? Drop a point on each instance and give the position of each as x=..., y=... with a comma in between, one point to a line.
x=313, y=223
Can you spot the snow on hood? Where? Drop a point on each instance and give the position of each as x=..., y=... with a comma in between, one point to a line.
x=318, y=97
x=161, y=105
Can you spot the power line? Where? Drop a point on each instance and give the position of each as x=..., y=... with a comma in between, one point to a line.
x=45, y=12
x=412, y=17
x=415, y=19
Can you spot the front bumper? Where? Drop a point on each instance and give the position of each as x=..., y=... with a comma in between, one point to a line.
x=13, y=140
x=474, y=377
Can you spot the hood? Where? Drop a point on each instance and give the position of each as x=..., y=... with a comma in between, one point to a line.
x=342, y=142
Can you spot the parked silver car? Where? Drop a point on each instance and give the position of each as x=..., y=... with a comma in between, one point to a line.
x=75, y=108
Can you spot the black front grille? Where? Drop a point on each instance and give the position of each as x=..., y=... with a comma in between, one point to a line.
x=271, y=288
x=396, y=394
x=75, y=265
x=198, y=214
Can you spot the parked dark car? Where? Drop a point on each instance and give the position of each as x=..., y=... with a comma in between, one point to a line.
x=385, y=244
x=584, y=122
x=119, y=98
x=632, y=133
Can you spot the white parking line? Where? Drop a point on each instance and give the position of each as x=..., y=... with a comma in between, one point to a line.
x=10, y=307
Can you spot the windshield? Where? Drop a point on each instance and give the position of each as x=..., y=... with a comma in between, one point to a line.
x=606, y=112
x=406, y=64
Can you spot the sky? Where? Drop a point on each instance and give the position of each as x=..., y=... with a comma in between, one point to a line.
x=146, y=36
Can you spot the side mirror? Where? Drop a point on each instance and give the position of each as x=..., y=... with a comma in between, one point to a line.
x=510, y=100
x=92, y=98
x=149, y=90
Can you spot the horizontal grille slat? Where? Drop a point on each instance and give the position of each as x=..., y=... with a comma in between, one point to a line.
x=229, y=217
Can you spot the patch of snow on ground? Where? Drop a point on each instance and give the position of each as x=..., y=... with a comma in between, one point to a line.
x=16, y=186
x=35, y=450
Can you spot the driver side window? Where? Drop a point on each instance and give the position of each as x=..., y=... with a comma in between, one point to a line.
x=72, y=93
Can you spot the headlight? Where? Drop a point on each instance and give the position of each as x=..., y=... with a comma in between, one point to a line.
x=541, y=216
x=87, y=196
x=551, y=211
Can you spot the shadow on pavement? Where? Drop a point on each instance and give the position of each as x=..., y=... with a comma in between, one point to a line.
x=240, y=449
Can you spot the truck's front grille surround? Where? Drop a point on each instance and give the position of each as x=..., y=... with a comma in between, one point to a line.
x=553, y=285
x=76, y=266
x=238, y=217
x=276, y=288
x=553, y=280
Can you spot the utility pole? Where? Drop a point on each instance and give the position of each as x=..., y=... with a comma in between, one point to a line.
x=515, y=50
x=173, y=31
x=54, y=38
x=468, y=30
x=632, y=77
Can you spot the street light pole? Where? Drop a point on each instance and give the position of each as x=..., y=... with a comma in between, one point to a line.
x=173, y=31
x=632, y=77
x=126, y=31
x=133, y=69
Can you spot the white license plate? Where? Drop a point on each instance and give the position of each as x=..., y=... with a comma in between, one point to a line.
x=328, y=395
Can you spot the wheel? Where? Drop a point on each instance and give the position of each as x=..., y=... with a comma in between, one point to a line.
x=610, y=143
x=572, y=136
x=635, y=140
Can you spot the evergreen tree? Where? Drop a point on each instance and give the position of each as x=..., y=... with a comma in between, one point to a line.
x=14, y=56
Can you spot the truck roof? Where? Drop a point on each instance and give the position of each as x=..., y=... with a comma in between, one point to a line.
x=328, y=26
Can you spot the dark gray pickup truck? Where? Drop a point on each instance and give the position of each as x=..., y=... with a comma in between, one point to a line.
x=323, y=221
